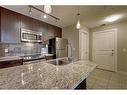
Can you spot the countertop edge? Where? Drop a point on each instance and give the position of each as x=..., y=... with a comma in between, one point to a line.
x=83, y=78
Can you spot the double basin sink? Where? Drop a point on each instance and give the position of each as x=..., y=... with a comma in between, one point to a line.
x=63, y=61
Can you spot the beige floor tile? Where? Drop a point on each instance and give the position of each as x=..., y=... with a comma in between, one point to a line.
x=99, y=86
x=102, y=79
x=114, y=86
x=124, y=77
x=124, y=84
x=90, y=83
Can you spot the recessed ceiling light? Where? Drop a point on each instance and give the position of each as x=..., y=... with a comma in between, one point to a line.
x=113, y=18
x=45, y=16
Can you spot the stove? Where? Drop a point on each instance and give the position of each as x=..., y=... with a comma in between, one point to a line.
x=32, y=57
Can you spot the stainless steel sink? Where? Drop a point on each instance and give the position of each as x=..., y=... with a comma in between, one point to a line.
x=63, y=61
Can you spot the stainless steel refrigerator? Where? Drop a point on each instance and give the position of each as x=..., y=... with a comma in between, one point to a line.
x=58, y=47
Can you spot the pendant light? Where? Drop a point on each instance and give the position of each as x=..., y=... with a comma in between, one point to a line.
x=78, y=22
x=47, y=9
x=30, y=11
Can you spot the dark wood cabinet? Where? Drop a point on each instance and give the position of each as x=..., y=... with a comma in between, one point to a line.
x=49, y=57
x=82, y=85
x=12, y=22
x=36, y=25
x=26, y=22
x=55, y=31
x=12, y=63
x=50, y=32
x=10, y=26
x=31, y=24
x=43, y=27
x=58, y=32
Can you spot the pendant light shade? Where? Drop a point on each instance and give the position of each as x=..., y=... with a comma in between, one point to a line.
x=47, y=9
x=78, y=26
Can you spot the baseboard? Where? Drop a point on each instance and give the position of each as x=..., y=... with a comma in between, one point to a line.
x=121, y=72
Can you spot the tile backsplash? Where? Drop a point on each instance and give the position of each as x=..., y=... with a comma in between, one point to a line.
x=23, y=49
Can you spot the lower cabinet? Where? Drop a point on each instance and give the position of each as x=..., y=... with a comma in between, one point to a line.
x=49, y=57
x=82, y=85
x=12, y=63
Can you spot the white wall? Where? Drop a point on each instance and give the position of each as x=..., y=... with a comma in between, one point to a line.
x=121, y=43
x=72, y=34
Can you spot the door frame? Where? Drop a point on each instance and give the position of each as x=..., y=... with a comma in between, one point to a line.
x=85, y=32
x=115, y=48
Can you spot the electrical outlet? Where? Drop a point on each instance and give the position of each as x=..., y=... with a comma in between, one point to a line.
x=6, y=50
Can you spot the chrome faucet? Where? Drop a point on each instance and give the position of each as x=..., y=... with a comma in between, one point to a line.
x=71, y=57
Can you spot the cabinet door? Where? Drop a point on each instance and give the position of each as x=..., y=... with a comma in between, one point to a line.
x=26, y=22
x=6, y=64
x=36, y=25
x=44, y=30
x=50, y=32
x=54, y=31
x=43, y=27
x=58, y=32
x=10, y=27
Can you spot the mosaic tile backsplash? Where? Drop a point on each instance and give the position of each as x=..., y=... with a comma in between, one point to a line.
x=23, y=49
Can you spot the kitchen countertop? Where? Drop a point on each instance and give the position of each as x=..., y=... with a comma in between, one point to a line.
x=9, y=58
x=43, y=75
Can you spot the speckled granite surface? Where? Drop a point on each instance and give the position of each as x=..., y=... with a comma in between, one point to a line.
x=43, y=75
x=9, y=58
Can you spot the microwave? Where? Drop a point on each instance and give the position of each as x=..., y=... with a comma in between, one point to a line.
x=30, y=36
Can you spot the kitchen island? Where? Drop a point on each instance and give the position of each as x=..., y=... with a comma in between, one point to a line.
x=43, y=75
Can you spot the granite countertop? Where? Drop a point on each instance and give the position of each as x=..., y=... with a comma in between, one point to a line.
x=43, y=75
x=9, y=58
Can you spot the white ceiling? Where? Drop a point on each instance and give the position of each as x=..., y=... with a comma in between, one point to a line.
x=91, y=16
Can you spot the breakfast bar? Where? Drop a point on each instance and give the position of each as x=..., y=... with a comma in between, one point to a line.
x=44, y=75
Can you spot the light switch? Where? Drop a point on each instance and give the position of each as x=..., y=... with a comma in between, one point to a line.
x=124, y=50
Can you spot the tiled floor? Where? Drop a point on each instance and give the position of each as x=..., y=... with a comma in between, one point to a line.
x=102, y=79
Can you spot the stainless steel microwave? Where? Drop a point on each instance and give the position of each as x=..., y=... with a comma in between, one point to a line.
x=31, y=36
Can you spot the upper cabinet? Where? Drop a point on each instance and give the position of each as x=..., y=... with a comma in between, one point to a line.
x=54, y=31
x=48, y=31
x=10, y=26
x=26, y=22
x=58, y=32
x=12, y=22
x=31, y=24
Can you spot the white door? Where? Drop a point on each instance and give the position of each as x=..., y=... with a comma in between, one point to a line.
x=84, y=46
x=104, y=49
